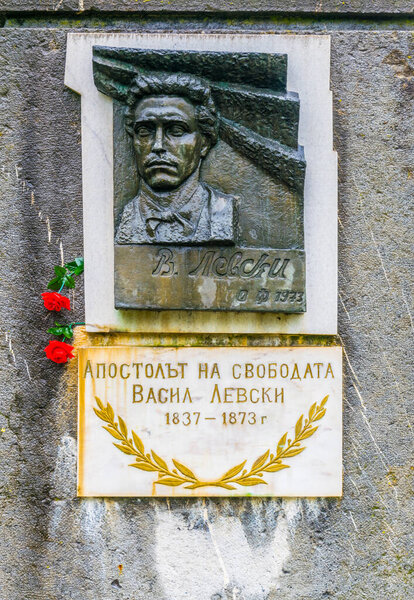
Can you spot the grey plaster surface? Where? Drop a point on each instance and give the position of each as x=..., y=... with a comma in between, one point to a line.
x=314, y=7
x=57, y=547
x=39, y=5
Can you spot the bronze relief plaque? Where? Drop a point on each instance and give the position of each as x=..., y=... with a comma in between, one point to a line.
x=208, y=180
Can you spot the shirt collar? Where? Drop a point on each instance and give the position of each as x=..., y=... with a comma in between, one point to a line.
x=183, y=210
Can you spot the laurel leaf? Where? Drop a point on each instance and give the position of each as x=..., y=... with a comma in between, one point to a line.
x=281, y=443
x=312, y=410
x=160, y=462
x=124, y=449
x=183, y=469
x=260, y=461
x=234, y=471
x=123, y=427
x=320, y=415
x=101, y=415
x=138, y=443
x=298, y=427
x=143, y=466
x=274, y=468
x=110, y=411
x=324, y=401
x=114, y=433
x=293, y=452
x=251, y=481
x=226, y=486
x=308, y=433
x=169, y=481
x=99, y=403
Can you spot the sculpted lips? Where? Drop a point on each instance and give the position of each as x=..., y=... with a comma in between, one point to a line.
x=159, y=163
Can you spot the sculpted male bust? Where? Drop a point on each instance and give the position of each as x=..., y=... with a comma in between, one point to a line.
x=172, y=121
x=180, y=243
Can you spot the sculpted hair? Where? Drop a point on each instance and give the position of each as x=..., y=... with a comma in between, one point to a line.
x=192, y=88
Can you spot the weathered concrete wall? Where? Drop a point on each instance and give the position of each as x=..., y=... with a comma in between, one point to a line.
x=315, y=7
x=57, y=547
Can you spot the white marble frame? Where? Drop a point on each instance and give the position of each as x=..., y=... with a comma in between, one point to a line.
x=308, y=74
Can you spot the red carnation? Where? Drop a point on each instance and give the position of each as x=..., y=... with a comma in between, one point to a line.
x=55, y=301
x=59, y=352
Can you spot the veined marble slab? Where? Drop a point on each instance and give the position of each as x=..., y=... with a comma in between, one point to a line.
x=308, y=75
x=210, y=421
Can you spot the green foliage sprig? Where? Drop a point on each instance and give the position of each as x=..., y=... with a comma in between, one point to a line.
x=65, y=275
x=63, y=329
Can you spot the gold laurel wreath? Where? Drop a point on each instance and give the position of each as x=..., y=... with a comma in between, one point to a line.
x=181, y=475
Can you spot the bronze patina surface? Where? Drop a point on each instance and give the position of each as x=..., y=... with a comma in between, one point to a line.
x=216, y=278
x=208, y=180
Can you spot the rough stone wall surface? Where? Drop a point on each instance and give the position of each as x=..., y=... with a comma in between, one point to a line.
x=342, y=7
x=55, y=546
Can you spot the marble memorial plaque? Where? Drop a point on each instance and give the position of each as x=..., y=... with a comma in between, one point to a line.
x=209, y=182
x=220, y=421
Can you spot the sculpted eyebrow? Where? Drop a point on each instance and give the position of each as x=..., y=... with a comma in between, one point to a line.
x=169, y=118
x=144, y=122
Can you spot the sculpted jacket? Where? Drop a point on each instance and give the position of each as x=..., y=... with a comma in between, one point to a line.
x=200, y=215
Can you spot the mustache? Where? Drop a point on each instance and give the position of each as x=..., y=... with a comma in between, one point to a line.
x=153, y=161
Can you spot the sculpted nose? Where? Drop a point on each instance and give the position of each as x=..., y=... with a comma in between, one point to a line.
x=158, y=144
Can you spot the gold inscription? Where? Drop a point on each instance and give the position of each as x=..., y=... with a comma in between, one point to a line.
x=160, y=396
x=179, y=370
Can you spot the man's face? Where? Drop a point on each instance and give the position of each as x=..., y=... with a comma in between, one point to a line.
x=167, y=142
